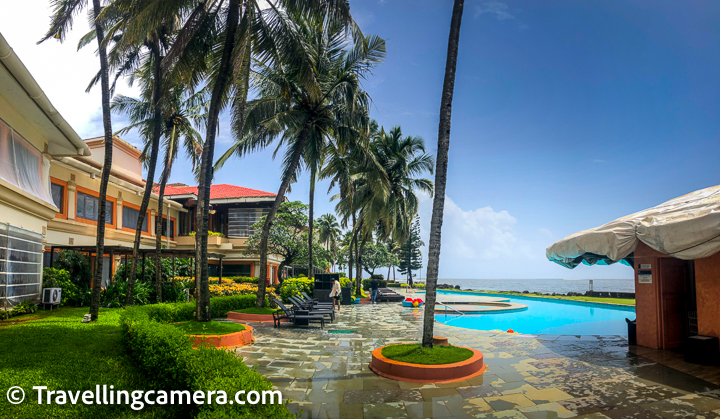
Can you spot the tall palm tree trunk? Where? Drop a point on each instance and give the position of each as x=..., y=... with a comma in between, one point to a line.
x=155, y=145
x=358, y=258
x=313, y=171
x=158, y=225
x=260, y=303
x=107, y=165
x=202, y=217
x=441, y=173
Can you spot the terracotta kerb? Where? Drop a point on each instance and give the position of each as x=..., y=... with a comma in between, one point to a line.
x=230, y=340
x=248, y=317
x=419, y=373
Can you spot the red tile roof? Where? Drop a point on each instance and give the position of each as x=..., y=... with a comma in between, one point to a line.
x=216, y=191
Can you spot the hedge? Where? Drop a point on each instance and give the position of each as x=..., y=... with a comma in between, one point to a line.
x=366, y=283
x=167, y=358
x=178, y=312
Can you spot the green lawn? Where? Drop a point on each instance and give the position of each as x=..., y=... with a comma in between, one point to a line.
x=416, y=354
x=620, y=301
x=53, y=349
x=255, y=310
x=209, y=328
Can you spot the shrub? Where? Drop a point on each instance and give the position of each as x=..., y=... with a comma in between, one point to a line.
x=244, y=279
x=210, y=233
x=178, y=312
x=420, y=285
x=166, y=356
x=25, y=307
x=114, y=295
x=366, y=283
x=346, y=282
x=342, y=274
x=294, y=286
x=73, y=294
x=394, y=285
x=379, y=277
x=77, y=265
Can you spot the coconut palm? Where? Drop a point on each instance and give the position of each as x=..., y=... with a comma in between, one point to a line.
x=441, y=173
x=63, y=12
x=180, y=113
x=329, y=232
x=301, y=110
x=403, y=158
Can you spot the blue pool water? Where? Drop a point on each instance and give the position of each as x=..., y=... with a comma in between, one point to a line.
x=547, y=317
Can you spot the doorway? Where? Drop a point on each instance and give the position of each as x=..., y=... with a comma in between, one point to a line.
x=677, y=301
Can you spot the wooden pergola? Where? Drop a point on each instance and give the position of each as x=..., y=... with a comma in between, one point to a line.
x=124, y=252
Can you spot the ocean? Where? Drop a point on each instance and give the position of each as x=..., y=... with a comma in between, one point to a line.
x=560, y=286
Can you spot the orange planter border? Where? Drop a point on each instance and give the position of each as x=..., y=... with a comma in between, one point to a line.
x=248, y=317
x=229, y=341
x=420, y=373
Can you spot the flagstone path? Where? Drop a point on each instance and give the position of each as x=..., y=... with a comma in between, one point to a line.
x=326, y=374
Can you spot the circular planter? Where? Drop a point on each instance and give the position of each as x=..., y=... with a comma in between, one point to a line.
x=230, y=340
x=247, y=317
x=440, y=341
x=420, y=373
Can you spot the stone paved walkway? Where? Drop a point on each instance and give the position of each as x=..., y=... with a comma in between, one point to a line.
x=325, y=374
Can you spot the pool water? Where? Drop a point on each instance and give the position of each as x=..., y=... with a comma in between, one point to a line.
x=551, y=317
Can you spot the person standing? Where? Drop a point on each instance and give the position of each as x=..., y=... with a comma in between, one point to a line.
x=335, y=294
x=374, y=284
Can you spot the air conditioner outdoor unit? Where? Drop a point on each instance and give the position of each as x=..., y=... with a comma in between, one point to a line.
x=51, y=296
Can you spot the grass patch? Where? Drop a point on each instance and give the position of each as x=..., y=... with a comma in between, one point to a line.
x=414, y=353
x=255, y=310
x=209, y=328
x=53, y=349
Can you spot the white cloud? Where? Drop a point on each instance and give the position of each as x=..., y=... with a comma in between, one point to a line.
x=499, y=10
x=476, y=243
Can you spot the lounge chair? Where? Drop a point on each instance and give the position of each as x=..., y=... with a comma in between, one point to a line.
x=313, y=310
x=296, y=315
x=386, y=294
x=307, y=300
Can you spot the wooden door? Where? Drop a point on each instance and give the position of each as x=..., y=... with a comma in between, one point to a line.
x=673, y=302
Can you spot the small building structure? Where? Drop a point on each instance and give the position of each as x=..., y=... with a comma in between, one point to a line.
x=674, y=249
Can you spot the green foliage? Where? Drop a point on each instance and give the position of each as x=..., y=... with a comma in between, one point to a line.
x=77, y=265
x=244, y=279
x=376, y=256
x=346, y=282
x=165, y=355
x=419, y=285
x=24, y=307
x=54, y=350
x=192, y=327
x=113, y=296
x=72, y=294
x=410, y=256
x=416, y=354
x=178, y=312
x=183, y=268
x=394, y=285
x=366, y=283
x=294, y=286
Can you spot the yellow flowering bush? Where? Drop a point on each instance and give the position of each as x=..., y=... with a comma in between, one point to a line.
x=232, y=288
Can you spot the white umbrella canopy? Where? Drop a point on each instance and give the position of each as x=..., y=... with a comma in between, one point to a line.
x=687, y=228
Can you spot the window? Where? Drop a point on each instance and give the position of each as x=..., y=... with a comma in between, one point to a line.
x=22, y=165
x=172, y=228
x=241, y=220
x=88, y=208
x=58, y=195
x=130, y=219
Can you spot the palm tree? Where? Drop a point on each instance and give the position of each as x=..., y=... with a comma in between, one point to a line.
x=61, y=22
x=329, y=232
x=180, y=112
x=441, y=173
x=302, y=109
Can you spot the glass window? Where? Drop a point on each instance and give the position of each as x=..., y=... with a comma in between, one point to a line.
x=172, y=228
x=88, y=208
x=22, y=165
x=58, y=195
x=241, y=220
x=130, y=219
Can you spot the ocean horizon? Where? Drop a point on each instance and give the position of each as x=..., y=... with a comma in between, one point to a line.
x=538, y=285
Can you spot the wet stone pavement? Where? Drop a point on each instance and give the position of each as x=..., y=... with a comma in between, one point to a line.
x=326, y=375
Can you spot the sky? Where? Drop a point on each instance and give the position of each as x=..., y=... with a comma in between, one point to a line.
x=566, y=115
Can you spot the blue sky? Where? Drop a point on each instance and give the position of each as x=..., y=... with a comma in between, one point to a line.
x=567, y=114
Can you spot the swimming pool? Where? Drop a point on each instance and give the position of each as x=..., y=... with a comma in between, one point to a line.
x=545, y=316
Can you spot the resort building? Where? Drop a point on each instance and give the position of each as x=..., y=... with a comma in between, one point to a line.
x=75, y=182
x=32, y=133
x=233, y=211
x=674, y=249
